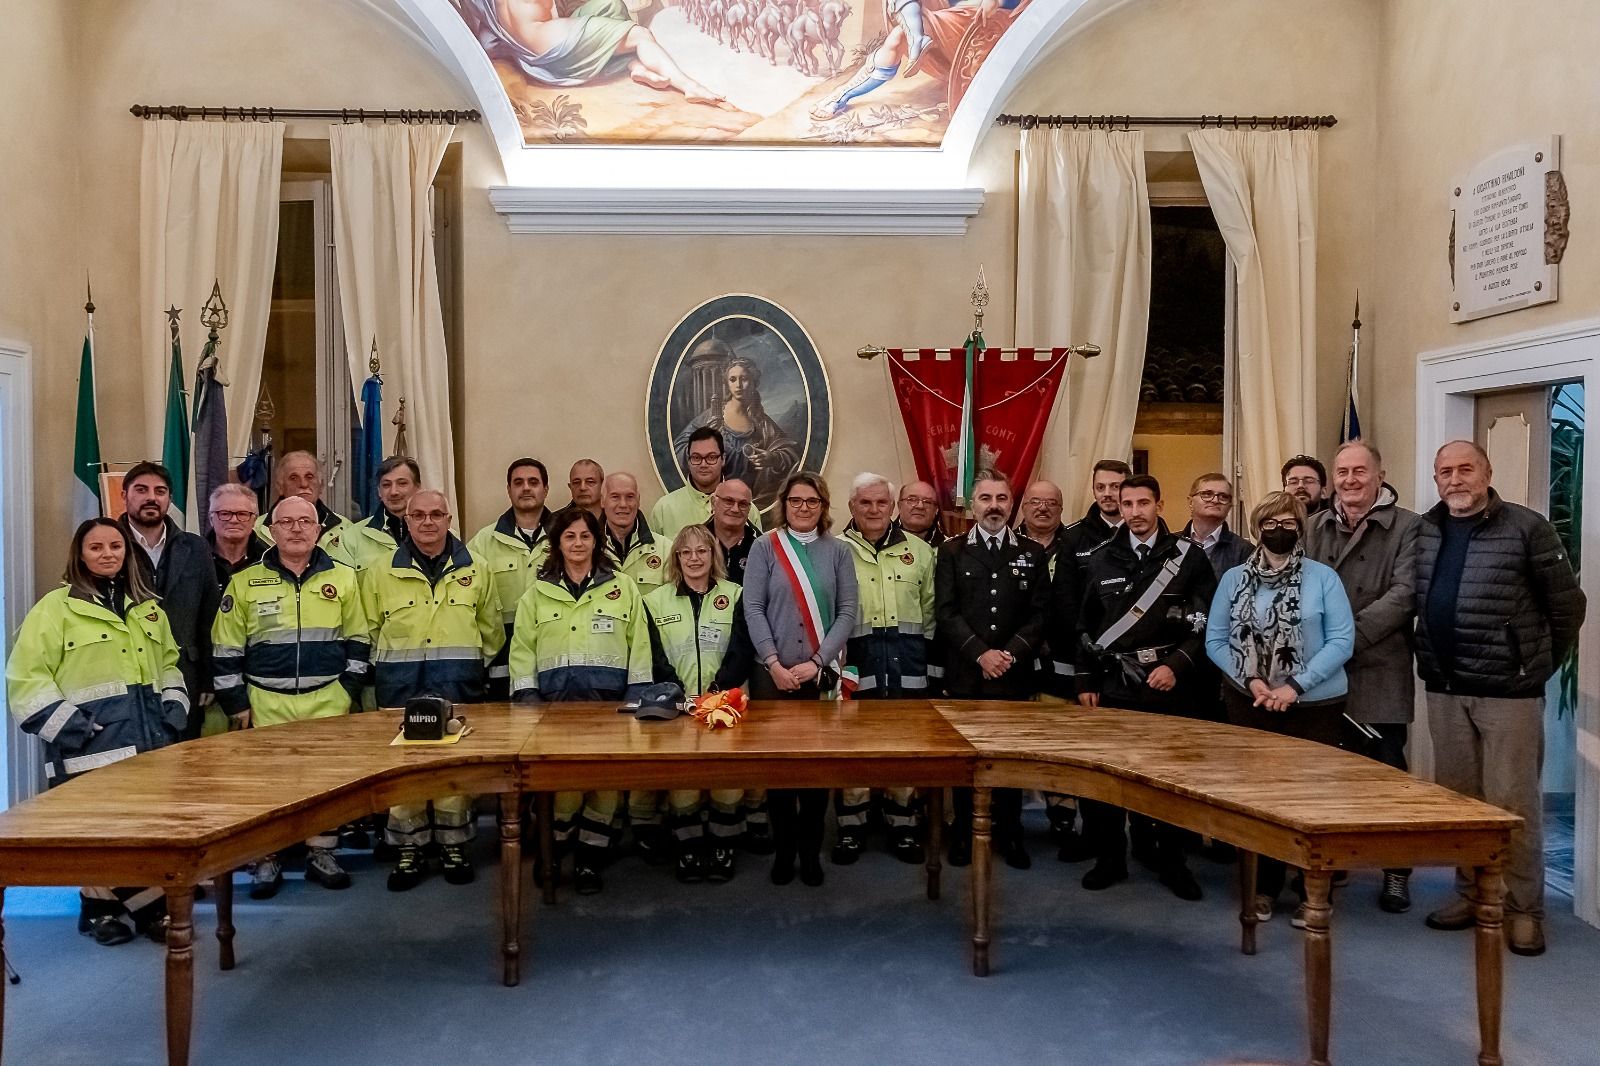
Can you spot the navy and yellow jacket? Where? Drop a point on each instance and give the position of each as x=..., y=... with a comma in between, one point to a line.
x=595, y=646
x=95, y=686
x=432, y=637
x=891, y=643
x=290, y=648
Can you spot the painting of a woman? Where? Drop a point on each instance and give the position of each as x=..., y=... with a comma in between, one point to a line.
x=756, y=449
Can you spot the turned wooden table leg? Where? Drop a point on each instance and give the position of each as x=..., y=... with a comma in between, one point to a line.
x=547, y=845
x=981, y=862
x=1319, y=961
x=222, y=885
x=511, y=886
x=1490, y=891
x=1247, y=901
x=934, y=837
x=180, y=973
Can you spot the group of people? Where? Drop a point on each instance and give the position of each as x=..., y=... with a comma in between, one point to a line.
x=1316, y=629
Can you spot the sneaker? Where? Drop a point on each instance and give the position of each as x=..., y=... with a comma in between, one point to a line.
x=1263, y=908
x=757, y=840
x=107, y=930
x=691, y=870
x=266, y=878
x=907, y=848
x=157, y=930
x=1462, y=914
x=457, y=867
x=324, y=870
x=1396, y=895
x=719, y=867
x=586, y=880
x=1299, y=918
x=846, y=850
x=408, y=870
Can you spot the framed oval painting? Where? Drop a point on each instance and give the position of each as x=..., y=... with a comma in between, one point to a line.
x=746, y=367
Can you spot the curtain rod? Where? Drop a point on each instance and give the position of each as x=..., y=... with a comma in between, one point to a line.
x=268, y=114
x=1238, y=122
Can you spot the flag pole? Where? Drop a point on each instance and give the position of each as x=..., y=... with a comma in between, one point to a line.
x=1350, y=425
x=87, y=463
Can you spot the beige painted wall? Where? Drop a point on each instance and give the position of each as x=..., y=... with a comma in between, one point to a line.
x=546, y=318
x=1176, y=461
x=1459, y=82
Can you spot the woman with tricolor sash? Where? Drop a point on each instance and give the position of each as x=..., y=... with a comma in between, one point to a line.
x=800, y=608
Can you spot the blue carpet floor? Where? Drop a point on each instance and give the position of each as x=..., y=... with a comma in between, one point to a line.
x=863, y=970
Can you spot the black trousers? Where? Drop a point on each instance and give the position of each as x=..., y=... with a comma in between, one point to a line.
x=1322, y=722
x=798, y=814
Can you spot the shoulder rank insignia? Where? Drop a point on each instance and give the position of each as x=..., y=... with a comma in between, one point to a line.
x=720, y=603
x=329, y=592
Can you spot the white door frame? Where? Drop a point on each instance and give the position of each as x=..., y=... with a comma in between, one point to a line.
x=19, y=753
x=1447, y=381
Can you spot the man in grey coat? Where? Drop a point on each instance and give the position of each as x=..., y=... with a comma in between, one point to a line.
x=1372, y=542
x=1498, y=609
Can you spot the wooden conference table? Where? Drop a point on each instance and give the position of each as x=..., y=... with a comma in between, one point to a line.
x=195, y=812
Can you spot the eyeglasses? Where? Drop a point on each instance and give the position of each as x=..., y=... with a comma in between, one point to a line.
x=705, y=460
x=234, y=516
x=737, y=505
x=295, y=523
x=807, y=502
x=1214, y=497
x=693, y=553
x=1034, y=501
x=428, y=516
x=1305, y=482
x=1280, y=523
x=917, y=501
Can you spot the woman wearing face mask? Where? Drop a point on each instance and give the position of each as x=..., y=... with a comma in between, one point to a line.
x=1280, y=630
x=94, y=675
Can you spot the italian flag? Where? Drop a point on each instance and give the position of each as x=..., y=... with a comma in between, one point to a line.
x=86, y=444
x=967, y=446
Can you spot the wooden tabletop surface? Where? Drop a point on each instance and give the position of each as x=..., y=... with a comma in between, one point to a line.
x=775, y=729
x=1309, y=787
x=194, y=793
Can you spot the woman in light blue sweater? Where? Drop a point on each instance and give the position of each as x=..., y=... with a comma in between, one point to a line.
x=1280, y=630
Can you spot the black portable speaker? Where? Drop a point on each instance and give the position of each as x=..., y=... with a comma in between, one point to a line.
x=426, y=717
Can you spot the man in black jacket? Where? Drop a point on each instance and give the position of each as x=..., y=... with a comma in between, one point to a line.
x=991, y=590
x=1498, y=610
x=1210, y=497
x=179, y=566
x=1146, y=594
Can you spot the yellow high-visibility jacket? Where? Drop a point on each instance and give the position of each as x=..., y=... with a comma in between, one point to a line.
x=290, y=648
x=695, y=645
x=94, y=686
x=645, y=558
x=593, y=647
x=894, y=630
x=685, y=506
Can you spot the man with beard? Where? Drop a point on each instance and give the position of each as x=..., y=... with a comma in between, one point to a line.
x=180, y=568
x=991, y=590
x=690, y=504
x=513, y=547
x=1306, y=479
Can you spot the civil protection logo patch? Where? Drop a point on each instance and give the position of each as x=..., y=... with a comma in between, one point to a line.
x=227, y=604
x=615, y=594
x=329, y=592
x=720, y=603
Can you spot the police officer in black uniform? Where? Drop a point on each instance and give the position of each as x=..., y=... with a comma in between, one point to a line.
x=991, y=589
x=1142, y=626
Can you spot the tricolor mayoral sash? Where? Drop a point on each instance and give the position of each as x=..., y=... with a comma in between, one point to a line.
x=816, y=608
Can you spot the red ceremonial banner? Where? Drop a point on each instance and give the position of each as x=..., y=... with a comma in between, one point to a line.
x=1013, y=398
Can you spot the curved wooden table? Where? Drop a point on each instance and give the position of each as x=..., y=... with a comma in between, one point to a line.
x=194, y=812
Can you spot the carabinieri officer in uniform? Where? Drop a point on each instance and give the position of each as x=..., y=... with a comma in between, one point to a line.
x=1143, y=618
x=991, y=590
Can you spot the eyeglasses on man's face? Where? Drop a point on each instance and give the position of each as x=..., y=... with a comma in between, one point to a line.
x=917, y=501
x=233, y=516
x=706, y=460
x=295, y=523
x=1211, y=496
x=737, y=505
x=428, y=516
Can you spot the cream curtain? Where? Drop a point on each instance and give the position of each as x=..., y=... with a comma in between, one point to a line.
x=388, y=285
x=1083, y=276
x=1262, y=187
x=208, y=211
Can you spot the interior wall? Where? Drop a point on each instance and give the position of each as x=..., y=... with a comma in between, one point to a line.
x=1459, y=82
x=546, y=317
x=1176, y=460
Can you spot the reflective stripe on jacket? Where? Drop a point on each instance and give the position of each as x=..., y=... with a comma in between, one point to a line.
x=96, y=688
x=432, y=638
x=290, y=648
x=694, y=645
x=894, y=629
x=596, y=647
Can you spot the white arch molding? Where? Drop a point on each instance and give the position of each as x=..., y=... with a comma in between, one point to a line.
x=745, y=189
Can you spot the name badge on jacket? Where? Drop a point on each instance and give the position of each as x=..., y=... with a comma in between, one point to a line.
x=603, y=625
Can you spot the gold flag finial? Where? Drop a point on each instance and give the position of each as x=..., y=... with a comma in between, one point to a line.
x=214, y=315
x=980, y=300
x=372, y=360
x=401, y=446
